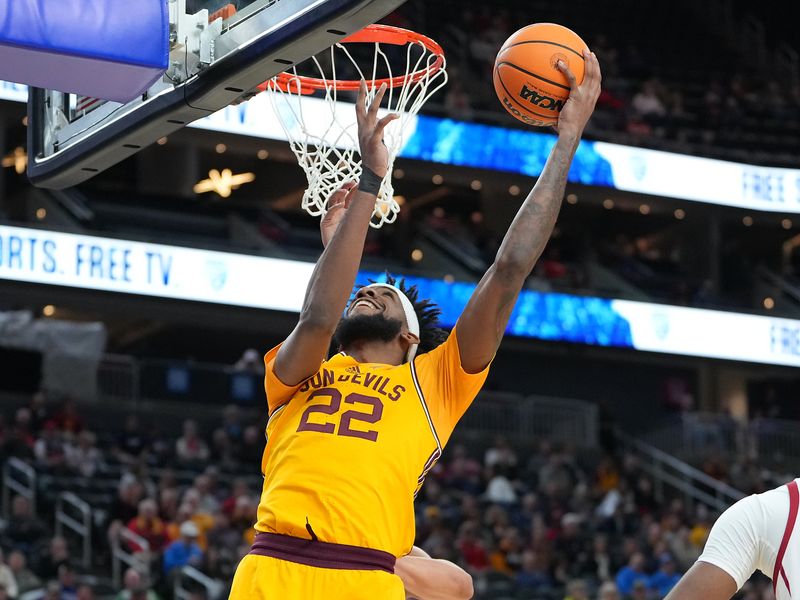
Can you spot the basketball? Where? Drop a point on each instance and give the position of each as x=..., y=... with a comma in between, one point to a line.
x=526, y=77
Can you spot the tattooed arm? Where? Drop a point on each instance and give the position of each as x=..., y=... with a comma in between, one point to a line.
x=481, y=325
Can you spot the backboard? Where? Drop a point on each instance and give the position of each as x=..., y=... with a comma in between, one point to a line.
x=220, y=50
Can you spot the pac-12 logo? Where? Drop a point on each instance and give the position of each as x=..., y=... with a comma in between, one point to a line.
x=217, y=272
x=540, y=100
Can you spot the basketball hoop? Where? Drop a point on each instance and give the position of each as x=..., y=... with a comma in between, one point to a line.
x=326, y=145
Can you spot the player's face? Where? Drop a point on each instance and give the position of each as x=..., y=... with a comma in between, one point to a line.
x=375, y=314
x=377, y=301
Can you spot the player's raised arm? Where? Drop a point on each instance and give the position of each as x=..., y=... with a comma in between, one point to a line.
x=481, y=325
x=334, y=275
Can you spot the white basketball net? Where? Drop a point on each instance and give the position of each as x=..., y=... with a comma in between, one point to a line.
x=329, y=155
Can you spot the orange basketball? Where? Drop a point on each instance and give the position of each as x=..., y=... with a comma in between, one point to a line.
x=526, y=78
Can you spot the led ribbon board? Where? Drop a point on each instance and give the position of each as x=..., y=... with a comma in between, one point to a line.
x=124, y=266
x=459, y=143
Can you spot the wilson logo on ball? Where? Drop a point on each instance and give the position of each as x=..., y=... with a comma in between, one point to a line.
x=522, y=117
x=537, y=99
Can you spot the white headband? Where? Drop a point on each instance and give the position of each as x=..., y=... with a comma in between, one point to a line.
x=411, y=315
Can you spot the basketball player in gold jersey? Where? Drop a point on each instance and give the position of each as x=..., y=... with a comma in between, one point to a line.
x=351, y=438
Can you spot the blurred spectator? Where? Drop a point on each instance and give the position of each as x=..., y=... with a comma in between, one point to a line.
x=50, y=449
x=699, y=533
x=84, y=458
x=572, y=547
x=206, y=500
x=644, y=495
x=223, y=542
x=534, y=574
x=183, y=551
x=168, y=503
x=135, y=587
x=252, y=361
x=601, y=563
x=190, y=448
x=647, y=102
x=85, y=592
x=551, y=265
x=663, y=580
x=148, y=525
x=463, y=472
x=640, y=591
x=607, y=475
x=20, y=440
x=501, y=454
x=187, y=511
x=132, y=442
x=126, y=505
x=52, y=591
x=232, y=421
x=632, y=573
x=223, y=534
x=472, y=549
x=252, y=447
x=7, y=579
x=56, y=557
x=244, y=516
x=39, y=411
x=238, y=489
x=608, y=591
x=500, y=489
x=67, y=418
x=24, y=529
x=222, y=449
x=25, y=578
x=68, y=582
x=577, y=590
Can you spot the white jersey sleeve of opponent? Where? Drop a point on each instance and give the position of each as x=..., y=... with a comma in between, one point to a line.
x=746, y=537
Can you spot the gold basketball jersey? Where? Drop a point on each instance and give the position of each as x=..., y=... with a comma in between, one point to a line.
x=348, y=449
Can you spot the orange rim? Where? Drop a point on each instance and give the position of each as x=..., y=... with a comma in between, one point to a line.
x=384, y=34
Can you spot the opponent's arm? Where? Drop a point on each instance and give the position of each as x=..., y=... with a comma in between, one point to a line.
x=335, y=272
x=704, y=581
x=481, y=325
x=426, y=578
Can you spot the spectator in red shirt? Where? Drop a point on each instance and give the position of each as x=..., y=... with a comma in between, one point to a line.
x=472, y=549
x=67, y=418
x=238, y=490
x=149, y=526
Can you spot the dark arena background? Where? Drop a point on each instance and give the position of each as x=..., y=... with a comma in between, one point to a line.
x=648, y=379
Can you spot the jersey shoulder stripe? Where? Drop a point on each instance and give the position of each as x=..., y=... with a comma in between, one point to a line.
x=425, y=406
x=794, y=505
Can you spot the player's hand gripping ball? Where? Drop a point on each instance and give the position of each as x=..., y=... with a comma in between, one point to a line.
x=526, y=77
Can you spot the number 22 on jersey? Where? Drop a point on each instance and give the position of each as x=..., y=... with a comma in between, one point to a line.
x=370, y=411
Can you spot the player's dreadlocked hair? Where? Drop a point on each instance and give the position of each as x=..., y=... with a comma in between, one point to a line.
x=430, y=335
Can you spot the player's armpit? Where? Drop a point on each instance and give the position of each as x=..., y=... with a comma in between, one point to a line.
x=432, y=579
x=704, y=581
